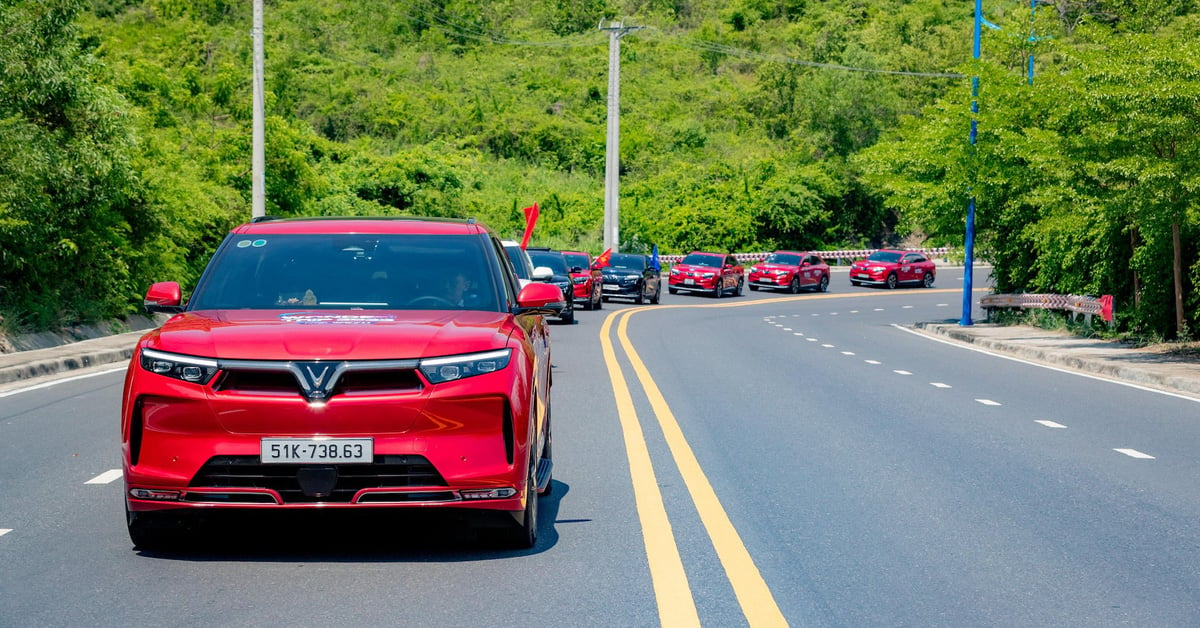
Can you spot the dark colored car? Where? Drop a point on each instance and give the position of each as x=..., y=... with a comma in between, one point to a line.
x=585, y=279
x=561, y=277
x=792, y=271
x=892, y=268
x=714, y=273
x=342, y=364
x=631, y=276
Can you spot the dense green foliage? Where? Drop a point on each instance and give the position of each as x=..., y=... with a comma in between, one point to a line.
x=745, y=125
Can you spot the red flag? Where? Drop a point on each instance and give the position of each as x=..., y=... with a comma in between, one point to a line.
x=531, y=216
x=602, y=261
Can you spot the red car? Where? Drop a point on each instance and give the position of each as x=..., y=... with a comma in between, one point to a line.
x=585, y=280
x=342, y=364
x=714, y=273
x=892, y=268
x=791, y=271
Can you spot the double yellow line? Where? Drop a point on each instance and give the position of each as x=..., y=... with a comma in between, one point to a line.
x=676, y=606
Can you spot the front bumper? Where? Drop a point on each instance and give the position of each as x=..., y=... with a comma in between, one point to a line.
x=460, y=444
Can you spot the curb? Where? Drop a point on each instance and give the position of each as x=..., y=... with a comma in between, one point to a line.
x=1110, y=365
x=28, y=365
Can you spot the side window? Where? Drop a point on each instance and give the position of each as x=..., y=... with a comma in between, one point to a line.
x=730, y=261
x=508, y=274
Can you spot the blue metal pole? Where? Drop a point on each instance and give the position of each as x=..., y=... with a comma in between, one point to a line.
x=1032, y=35
x=969, y=246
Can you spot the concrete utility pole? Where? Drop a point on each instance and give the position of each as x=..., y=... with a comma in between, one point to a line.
x=612, y=143
x=258, y=205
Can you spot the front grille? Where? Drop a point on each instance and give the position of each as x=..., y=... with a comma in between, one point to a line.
x=351, y=382
x=248, y=472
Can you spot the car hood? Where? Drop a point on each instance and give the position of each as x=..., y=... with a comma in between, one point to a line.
x=693, y=268
x=786, y=267
x=621, y=272
x=330, y=335
x=862, y=263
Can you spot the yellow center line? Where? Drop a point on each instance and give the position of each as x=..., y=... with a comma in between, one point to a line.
x=676, y=606
x=758, y=605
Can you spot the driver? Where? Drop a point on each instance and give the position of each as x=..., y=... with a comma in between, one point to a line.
x=456, y=287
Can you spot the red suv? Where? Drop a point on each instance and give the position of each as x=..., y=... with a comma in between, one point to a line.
x=714, y=273
x=791, y=271
x=584, y=279
x=891, y=268
x=342, y=364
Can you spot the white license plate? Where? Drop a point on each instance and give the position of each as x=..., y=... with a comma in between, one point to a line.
x=689, y=282
x=609, y=286
x=303, y=450
x=863, y=275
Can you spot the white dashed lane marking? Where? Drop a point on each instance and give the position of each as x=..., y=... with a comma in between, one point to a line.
x=847, y=353
x=798, y=333
x=827, y=346
x=1133, y=453
x=899, y=372
x=105, y=478
x=939, y=385
x=4, y=531
x=1052, y=424
x=811, y=339
x=988, y=402
x=872, y=361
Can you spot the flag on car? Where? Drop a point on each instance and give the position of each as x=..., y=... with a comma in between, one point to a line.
x=654, y=258
x=531, y=216
x=602, y=261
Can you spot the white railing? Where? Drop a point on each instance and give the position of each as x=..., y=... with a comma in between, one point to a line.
x=1088, y=306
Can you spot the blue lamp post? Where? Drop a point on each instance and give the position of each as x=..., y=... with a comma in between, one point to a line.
x=969, y=245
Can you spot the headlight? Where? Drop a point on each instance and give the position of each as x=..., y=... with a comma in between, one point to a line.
x=781, y=272
x=579, y=280
x=708, y=274
x=182, y=367
x=438, y=370
x=878, y=269
x=629, y=280
x=675, y=271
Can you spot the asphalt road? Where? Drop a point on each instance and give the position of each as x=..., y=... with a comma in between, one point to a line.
x=757, y=460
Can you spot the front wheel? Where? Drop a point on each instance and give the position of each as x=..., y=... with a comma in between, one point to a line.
x=523, y=535
x=753, y=288
x=891, y=281
x=671, y=290
x=794, y=287
x=641, y=296
x=568, y=316
x=717, y=291
x=927, y=280
x=737, y=292
x=657, y=295
x=824, y=287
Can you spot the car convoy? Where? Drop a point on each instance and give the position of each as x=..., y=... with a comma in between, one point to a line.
x=383, y=363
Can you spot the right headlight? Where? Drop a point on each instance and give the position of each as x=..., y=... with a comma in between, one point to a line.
x=182, y=367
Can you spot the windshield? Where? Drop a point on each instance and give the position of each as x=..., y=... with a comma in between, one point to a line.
x=884, y=256
x=789, y=259
x=698, y=259
x=577, y=260
x=349, y=271
x=627, y=261
x=551, y=260
x=519, y=262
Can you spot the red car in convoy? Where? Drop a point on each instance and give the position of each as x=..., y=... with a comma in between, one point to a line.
x=586, y=280
x=891, y=268
x=342, y=364
x=791, y=271
x=713, y=273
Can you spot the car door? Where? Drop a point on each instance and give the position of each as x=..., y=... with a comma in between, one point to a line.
x=809, y=276
x=910, y=269
x=650, y=279
x=729, y=272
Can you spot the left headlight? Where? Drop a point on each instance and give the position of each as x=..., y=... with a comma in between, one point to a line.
x=579, y=280
x=182, y=367
x=450, y=368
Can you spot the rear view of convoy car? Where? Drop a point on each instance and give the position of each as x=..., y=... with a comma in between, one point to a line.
x=343, y=364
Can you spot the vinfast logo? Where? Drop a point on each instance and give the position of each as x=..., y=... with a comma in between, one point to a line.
x=317, y=379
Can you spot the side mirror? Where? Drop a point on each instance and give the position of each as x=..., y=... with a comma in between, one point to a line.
x=164, y=296
x=543, y=273
x=540, y=298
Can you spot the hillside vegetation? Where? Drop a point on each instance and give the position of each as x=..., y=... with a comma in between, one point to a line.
x=745, y=125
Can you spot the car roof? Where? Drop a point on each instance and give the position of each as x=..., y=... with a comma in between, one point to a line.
x=707, y=253
x=374, y=225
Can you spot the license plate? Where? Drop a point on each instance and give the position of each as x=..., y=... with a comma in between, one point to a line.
x=609, y=286
x=689, y=282
x=302, y=450
x=863, y=275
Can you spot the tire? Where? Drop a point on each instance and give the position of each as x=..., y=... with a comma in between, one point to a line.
x=153, y=531
x=824, y=286
x=854, y=283
x=599, y=297
x=671, y=290
x=794, y=287
x=891, y=281
x=753, y=288
x=737, y=292
x=717, y=291
x=927, y=280
x=523, y=535
x=568, y=317
x=657, y=295
x=640, y=298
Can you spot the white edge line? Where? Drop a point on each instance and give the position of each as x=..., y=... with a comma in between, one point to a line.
x=9, y=393
x=1045, y=366
x=105, y=478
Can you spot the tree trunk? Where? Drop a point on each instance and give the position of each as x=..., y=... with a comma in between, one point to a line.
x=1178, y=267
x=1137, y=283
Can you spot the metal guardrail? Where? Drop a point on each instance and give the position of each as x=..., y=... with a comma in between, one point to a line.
x=1088, y=306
